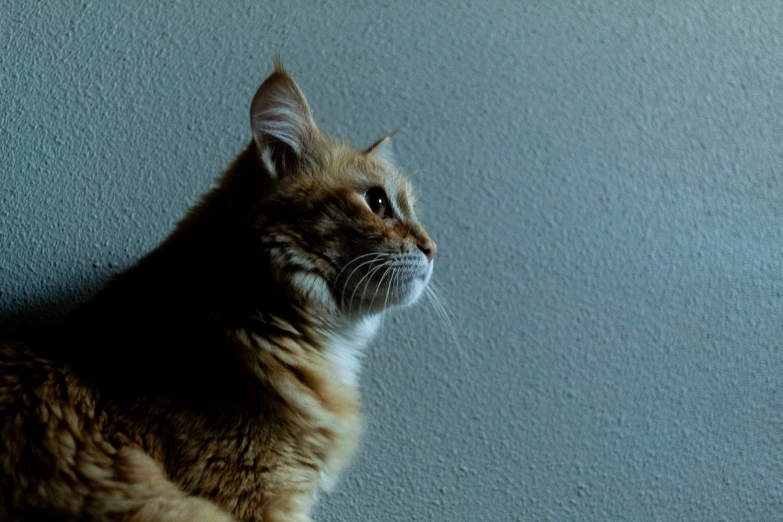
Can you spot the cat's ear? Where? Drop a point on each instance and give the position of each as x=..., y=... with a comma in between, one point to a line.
x=283, y=130
x=383, y=148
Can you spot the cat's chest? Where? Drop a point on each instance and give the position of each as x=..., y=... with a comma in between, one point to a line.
x=231, y=463
x=243, y=465
x=345, y=349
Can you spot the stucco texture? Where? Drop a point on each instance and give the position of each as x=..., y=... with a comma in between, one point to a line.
x=603, y=180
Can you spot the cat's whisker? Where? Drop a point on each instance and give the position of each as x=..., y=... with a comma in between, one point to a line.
x=385, y=304
x=377, y=255
x=440, y=309
x=395, y=274
x=357, y=258
x=384, y=320
x=389, y=269
x=380, y=283
x=367, y=276
x=348, y=279
x=435, y=293
x=430, y=317
x=407, y=316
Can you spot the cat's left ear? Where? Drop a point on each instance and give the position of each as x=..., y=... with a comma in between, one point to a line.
x=283, y=129
x=383, y=148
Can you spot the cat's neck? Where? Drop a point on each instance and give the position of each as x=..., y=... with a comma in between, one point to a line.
x=314, y=332
x=345, y=346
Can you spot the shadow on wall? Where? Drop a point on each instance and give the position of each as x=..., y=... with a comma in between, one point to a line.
x=24, y=316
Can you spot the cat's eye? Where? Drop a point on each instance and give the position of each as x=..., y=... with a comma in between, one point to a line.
x=378, y=202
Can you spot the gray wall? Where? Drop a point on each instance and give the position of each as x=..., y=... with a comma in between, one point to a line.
x=603, y=179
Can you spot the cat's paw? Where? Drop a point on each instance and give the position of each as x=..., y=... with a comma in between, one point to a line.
x=187, y=509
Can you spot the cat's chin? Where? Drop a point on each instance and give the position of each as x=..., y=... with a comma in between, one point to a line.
x=416, y=287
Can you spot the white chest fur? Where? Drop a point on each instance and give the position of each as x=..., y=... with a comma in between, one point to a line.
x=346, y=348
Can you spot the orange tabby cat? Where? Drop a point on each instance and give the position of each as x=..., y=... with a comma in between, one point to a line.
x=217, y=379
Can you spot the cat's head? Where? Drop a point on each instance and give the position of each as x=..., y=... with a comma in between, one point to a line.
x=339, y=224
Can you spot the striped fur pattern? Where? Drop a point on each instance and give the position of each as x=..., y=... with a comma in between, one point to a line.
x=216, y=380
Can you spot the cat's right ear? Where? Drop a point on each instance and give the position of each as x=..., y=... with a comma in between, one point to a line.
x=284, y=133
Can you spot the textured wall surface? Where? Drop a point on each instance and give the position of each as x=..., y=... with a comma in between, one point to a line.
x=604, y=180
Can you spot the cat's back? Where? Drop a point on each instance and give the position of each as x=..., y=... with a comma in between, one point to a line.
x=51, y=437
x=32, y=385
x=22, y=370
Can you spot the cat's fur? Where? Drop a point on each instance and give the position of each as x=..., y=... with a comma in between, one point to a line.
x=217, y=379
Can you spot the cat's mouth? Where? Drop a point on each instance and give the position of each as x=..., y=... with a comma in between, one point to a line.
x=375, y=284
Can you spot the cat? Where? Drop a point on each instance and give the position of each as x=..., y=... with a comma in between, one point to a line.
x=216, y=379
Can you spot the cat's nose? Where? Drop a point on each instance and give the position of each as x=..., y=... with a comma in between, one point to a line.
x=428, y=248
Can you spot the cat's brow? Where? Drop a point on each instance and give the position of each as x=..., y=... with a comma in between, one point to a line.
x=402, y=201
x=402, y=197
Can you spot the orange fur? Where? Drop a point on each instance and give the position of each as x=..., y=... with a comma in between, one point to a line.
x=213, y=380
